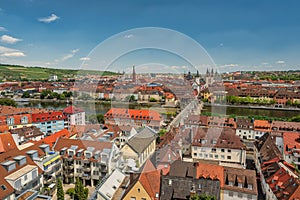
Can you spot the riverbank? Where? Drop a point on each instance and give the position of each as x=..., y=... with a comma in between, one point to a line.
x=254, y=107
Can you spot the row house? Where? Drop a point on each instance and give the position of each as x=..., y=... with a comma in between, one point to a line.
x=138, y=118
x=13, y=121
x=220, y=145
x=144, y=185
x=186, y=179
x=26, y=134
x=49, y=122
x=279, y=179
x=87, y=160
x=140, y=146
x=34, y=167
x=291, y=148
x=281, y=126
x=245, y=128
x=74, y=116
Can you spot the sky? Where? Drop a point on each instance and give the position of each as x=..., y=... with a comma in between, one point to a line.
x=235, y=35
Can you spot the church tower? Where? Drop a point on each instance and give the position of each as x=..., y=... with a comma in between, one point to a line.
x=133, y=74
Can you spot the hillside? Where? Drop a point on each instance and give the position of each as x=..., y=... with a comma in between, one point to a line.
x=16, y=72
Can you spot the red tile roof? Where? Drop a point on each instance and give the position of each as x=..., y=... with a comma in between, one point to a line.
x=133, y=114
x=205, y=170
x=151, y=183
x=53, y=138
x=47, y=116
x=72, y=110
x=7, y=142
x=291, y=140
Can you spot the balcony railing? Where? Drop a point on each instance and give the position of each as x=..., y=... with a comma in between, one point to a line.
x=86, y=169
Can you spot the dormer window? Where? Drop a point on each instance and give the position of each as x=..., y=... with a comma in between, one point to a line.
x=9, y=165
x=24, y=120
x=10, y=121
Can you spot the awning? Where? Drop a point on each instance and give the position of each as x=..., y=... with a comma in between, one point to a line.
x=52, y=160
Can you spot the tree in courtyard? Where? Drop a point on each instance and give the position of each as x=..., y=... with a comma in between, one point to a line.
x=81, y=193
x=60, y=191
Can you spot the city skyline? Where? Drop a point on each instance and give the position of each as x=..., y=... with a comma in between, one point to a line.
x=248, y=35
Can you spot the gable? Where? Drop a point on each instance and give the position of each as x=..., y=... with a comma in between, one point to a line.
x=128, y=151
x=137, y=191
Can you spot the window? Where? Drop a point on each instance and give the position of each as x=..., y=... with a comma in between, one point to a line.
x=240, y=195
x=139, y=190
x=210, y=155
x=222, y=156
x=216, y=156
x=230, y=193
x=229, y=150
x=18, y=184
x=222, y=150
x=132, y=198
x=229, y=157
x=3, y=187
x=34, y=174
x=25, y=177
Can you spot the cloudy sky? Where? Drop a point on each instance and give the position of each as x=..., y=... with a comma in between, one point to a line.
x=238, y=35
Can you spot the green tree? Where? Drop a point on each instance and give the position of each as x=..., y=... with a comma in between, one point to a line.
x=202, y=197
x=71, y=192
x=26, y=95
x=8, y=102
x=100, y=118
x=81, y=193
x=60, y=191
x=152, y=99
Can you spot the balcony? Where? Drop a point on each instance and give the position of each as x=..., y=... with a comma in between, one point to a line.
x=86, y=176
x=85, y=161
x=34, y=185
x=69, y=158
x=86, y=169
x=49, y=180
x=69, y=174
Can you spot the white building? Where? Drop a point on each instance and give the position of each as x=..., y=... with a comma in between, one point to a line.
x=219, y=145
x=75, y=116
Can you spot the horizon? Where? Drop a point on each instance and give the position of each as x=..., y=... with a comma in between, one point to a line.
x=238, y=36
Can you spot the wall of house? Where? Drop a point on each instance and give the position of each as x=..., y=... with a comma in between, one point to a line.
x=137, y=192
x=220, y=154
x=234, y=195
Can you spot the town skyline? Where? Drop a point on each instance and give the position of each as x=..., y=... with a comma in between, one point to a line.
x=237, y=35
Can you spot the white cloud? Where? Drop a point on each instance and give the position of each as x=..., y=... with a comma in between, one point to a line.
x=9, y=39
x=2, y=28
x=68, y=56
x=280, y=62
x=85, y=58
x=49, y=19
x=13, y=54
x=9, y=52
x=229, y=65
x=128, y=36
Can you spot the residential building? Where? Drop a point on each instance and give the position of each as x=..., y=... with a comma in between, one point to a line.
x=25, y=134
x=48, y=122
x=110, y=188
x=291, y=148
x=88, y=160
x=144, y=185
x=185, y=180
x=141, y=146
x=245, y=128
x=220, y=145
x=74, y=116
x=122, y=116
x=7, y=142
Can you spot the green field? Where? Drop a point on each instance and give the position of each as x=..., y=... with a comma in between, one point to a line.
x=13, y=73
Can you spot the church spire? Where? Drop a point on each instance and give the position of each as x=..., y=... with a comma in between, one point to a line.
x=133, y=74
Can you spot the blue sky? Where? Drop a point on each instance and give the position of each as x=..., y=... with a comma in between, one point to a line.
x=238, y=35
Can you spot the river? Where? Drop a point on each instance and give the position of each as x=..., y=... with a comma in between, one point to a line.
x=91, y=108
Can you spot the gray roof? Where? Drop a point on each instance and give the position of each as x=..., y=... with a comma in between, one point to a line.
x=140, y=141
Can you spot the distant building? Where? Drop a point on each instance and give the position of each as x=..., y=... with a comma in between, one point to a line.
x=49, y=122
x=74, y=116
x=53, y=78
x=138, y=118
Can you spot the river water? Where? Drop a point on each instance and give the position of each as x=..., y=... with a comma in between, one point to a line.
x=91, y=108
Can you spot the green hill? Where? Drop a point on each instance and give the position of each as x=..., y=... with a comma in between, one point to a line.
x=16, y=72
